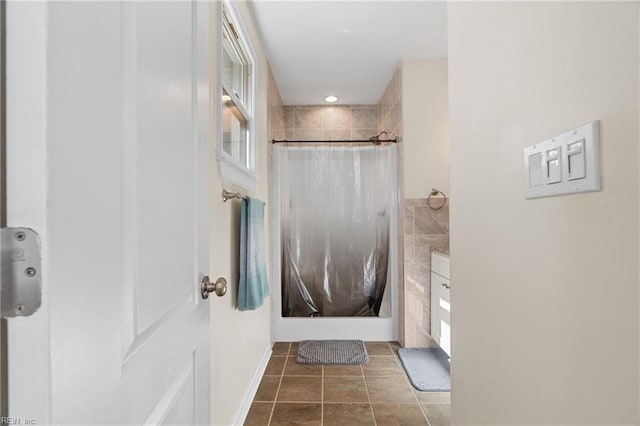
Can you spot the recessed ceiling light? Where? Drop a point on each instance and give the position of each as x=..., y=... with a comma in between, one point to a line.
x=331, y=99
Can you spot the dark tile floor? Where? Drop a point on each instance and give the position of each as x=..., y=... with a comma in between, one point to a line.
x=377, y=393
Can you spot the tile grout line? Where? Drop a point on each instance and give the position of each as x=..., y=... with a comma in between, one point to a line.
x=322, y=397
x=424, y=413
x=406, y=378
x=333, y=402
x=275, y=398
x=336, y=402
x=303, y=375
x=366, y=388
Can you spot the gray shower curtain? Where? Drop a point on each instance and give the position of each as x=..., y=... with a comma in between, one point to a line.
x=335, y=217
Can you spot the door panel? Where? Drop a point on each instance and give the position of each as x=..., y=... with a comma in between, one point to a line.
x=164, y=75
x=176, y=407
x=122, y=210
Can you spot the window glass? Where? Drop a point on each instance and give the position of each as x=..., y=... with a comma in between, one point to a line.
x=233, y=68
x=234, y=130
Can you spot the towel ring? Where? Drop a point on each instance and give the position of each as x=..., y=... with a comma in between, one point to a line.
x=435, y=192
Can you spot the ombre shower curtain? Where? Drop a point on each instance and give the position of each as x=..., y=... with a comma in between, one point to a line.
x=335, y=209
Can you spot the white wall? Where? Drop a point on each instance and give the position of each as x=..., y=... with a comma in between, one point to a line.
x=239, y=339
x=545, y=292
x=425, y=117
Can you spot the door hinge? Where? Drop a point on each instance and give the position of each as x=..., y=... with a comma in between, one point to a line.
x=20, y=272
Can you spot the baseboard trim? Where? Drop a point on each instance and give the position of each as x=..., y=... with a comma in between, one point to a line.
x=253, y=387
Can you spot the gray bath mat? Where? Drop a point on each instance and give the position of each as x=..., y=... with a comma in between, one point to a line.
x=332, y=352
x=427, y=368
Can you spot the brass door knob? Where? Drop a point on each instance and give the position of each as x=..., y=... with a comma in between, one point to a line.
x=219, y=287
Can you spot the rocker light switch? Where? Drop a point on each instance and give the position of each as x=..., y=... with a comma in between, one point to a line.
x=553, y=165
x=576, y=160
x=535, y=169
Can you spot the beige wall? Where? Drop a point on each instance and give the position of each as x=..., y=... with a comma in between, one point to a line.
x=239, y=339
x=425, y=118
x=277, y=132
x=544, y=292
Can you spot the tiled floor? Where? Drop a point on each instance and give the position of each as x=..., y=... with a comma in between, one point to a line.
x=377, y=393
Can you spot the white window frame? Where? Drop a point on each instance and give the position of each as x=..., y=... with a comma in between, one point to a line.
x=229, y=168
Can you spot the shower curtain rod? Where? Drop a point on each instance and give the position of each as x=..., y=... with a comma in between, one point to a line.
x=373, y=141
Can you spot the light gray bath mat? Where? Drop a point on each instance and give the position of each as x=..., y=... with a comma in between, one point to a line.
x=427, y=368
x=332, y=352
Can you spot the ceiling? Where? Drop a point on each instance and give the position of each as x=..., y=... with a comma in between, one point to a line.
x=346, y=48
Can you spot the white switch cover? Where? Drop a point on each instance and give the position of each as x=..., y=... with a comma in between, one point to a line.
x=553, y=165
x=535, y=169
x=576, y=160
x=565, y=164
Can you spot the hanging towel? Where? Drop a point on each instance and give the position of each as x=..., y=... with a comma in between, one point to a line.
x=253, y=286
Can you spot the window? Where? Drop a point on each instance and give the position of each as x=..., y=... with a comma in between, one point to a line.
x=236, y=146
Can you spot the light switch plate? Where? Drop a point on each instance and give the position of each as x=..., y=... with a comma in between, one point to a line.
x=577, y=168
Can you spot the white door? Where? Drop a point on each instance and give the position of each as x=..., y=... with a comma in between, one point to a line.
x=108, y=125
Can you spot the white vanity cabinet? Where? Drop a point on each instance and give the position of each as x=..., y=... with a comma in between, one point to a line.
x=441, y=301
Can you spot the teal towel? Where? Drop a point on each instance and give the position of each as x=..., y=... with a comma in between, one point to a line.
x=254, y=285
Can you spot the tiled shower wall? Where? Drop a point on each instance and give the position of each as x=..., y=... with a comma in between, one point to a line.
x=421, y=230
x=276, y=110
x=390, y=107
x=330, y=122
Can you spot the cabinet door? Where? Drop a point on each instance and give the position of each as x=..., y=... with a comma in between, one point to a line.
x=436, y=285
x=441, y=311
x=444, y=311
